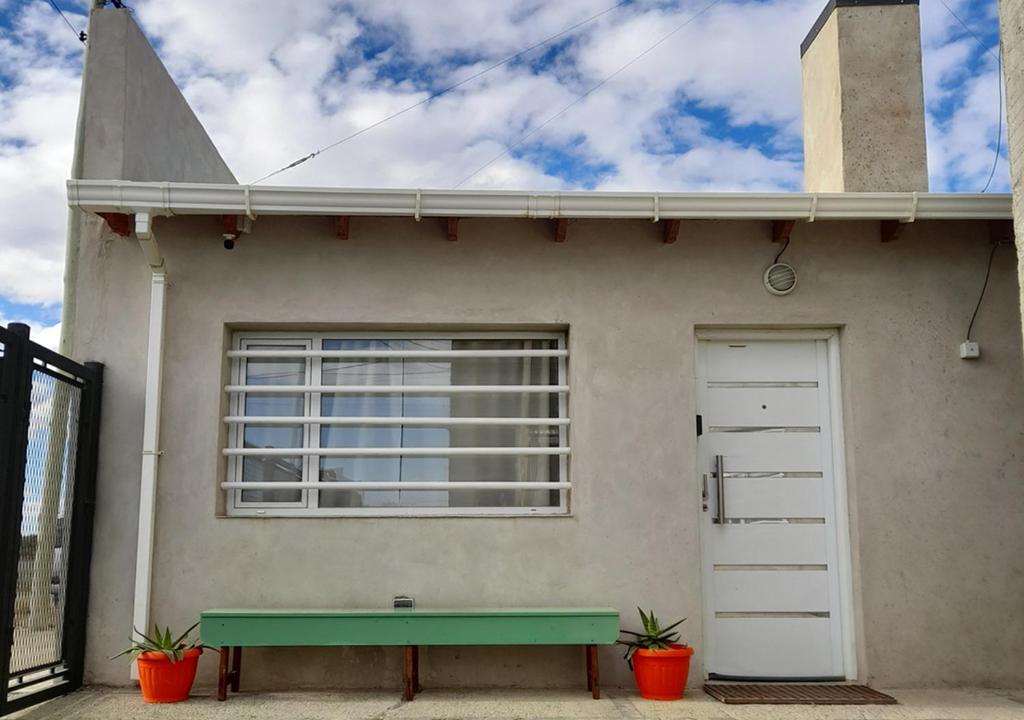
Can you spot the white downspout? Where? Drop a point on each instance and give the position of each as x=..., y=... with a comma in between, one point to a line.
x=150, y=425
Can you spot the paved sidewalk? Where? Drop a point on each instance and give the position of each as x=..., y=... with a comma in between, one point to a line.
x=119, y=704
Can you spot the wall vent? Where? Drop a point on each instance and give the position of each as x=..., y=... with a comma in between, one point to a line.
x=780, y=279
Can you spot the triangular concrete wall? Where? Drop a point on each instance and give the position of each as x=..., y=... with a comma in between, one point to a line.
x=136, y=123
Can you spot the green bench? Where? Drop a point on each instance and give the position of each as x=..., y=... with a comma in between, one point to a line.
x=231, y=630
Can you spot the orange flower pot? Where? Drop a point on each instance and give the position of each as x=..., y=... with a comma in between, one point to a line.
x=661, y=674
x=165, y=682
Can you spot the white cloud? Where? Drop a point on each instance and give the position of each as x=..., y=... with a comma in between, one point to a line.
x=46, y=335
x=272, y=81
x=963, y=103
x=37, y=122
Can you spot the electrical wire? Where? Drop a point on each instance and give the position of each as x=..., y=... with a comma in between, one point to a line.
x=999, y=131
x=80, y=34
x=779, y=255
x=441, y=92
x=984, y=287
x=968, y=29
x=999, y=81
x=585, y=95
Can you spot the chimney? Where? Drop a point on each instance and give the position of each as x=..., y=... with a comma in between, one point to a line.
x=863, y=98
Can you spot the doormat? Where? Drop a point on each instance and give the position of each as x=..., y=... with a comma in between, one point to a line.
x=788, y=694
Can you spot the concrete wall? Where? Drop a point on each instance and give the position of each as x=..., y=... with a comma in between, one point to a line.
x=822, y=111
x=1011, y=16
x=862, y=83
x=933, y=442
x=136, y=123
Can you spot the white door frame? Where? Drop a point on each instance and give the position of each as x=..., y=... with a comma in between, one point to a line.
x=842, y=514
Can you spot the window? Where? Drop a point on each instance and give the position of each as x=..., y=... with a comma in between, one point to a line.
x=397, y=424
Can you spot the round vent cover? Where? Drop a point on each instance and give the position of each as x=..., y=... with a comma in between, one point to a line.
x=780, y=279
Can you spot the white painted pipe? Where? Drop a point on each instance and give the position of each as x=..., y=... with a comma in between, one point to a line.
x=394, y=451
x=150, y=451
x=483, y=485
x=396, y=389
x=389, y=421
x=429, y=354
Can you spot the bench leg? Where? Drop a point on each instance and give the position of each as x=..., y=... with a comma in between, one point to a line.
x=236, y=668
x=593, y=674
x=408, y=673
x=222, y=675
x=416, y=687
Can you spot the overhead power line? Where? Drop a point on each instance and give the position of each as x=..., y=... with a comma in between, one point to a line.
x=80, y=34
x=590, y=91
x=999, y=82
x=968, y=29
x=441, y=92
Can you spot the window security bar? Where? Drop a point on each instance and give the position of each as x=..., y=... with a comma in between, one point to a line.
x=389, y=421
x=395, y=451
x=427, y=354
x=397, y=389
x=330, y=486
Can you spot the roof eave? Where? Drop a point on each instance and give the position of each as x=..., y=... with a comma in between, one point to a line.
x=116, y=196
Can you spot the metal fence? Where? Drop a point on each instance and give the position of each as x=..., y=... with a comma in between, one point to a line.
x=49, y=428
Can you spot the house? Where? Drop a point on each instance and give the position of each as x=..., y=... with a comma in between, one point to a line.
x=749, y=409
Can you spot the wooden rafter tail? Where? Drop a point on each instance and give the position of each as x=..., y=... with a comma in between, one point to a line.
x=1001, y=231
x=341, y=226
x=891, y=230
x=453, y=229
x=561, y=229
x=119, y=223
x=671, y=231
x=231, y=225
x=782, y=229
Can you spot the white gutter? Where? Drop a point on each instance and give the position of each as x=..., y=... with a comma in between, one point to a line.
x=116, y=196
x=150, y=425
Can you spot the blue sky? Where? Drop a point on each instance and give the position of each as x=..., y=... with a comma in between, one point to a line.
x=716, y=107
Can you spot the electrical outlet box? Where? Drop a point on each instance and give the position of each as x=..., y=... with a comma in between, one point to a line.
x=404, y=602
x=970, y=350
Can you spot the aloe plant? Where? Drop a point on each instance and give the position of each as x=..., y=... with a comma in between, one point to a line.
x=653, y=637
x=161, y=642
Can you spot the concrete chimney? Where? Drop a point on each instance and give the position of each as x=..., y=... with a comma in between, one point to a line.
x=863, y=98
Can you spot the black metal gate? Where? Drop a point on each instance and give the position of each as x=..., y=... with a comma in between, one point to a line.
x=49, y=430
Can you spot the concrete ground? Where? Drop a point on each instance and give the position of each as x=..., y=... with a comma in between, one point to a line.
x=111, y=704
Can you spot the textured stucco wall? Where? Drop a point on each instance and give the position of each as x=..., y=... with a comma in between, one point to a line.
x=873, y=54
x=137, y=125
x=822, y=111
x=933, y=442
x=1011, y=16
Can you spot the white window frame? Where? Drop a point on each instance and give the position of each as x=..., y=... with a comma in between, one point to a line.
x=235, y=430
x=308, y=505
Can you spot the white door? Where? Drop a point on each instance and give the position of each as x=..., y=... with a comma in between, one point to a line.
x=772, y=528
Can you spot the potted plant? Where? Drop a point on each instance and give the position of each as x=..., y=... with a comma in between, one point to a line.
x=167, y=666
x=658, y=660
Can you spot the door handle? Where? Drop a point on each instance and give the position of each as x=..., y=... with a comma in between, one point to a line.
x=704, y=493
x=720, y=476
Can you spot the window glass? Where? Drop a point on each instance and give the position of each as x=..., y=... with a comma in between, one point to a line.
x=273, y=371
